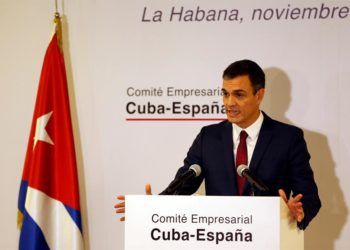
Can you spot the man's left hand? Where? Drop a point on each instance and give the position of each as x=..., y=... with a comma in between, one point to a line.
x=294, y=204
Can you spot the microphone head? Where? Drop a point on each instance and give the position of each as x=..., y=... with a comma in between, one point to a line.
x=241, y=168
x=197, y=169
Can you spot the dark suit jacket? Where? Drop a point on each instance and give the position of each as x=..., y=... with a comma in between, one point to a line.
x=280, y=159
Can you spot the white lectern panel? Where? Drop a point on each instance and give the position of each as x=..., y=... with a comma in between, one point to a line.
x=202, y=222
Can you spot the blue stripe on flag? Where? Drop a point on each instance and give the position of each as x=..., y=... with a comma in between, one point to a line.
x=22, y=196
x=31, y=237
x=75, y=215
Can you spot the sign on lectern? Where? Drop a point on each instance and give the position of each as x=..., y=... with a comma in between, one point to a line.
x=207, y=223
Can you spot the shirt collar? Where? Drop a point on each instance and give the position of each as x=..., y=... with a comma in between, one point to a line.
x=252, y=131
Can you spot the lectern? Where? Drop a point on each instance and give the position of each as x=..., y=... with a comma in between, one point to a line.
x=209, y=222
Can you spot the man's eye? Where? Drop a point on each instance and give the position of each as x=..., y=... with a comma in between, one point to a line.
x=240, y=95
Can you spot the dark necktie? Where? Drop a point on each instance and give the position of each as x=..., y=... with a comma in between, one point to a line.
x=241, y=158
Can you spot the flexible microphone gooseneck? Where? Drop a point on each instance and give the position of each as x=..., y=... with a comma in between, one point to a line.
x=244, y=171
x=193, y=172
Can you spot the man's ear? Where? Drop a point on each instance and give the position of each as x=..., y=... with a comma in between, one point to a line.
x=260, y=95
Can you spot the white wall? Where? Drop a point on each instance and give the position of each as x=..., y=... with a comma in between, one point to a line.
x=108, y=48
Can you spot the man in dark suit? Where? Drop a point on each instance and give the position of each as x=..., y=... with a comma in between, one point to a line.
x=273, y=151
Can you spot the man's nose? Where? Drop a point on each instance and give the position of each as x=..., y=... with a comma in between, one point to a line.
x=231, y=101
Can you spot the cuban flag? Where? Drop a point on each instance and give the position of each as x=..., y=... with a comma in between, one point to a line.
x=49, y=210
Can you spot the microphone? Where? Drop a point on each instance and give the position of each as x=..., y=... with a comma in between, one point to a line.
x=244, y=171
x=194, y=171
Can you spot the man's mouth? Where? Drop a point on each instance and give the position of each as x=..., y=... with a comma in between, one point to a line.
x=232, y=112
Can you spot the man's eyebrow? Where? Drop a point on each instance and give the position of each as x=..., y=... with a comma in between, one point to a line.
x=239, y=91
x=234, y=91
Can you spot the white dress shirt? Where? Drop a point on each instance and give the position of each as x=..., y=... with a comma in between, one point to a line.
x=253, y=134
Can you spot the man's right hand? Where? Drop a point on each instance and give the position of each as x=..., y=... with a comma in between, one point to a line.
x=120, y=206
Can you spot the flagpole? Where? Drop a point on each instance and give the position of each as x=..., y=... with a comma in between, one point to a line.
x=58, y=28
x=56, y=6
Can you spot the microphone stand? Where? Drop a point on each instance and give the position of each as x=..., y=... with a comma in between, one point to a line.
x=252, y=190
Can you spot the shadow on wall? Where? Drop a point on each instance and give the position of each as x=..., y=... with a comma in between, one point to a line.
x=324, y=230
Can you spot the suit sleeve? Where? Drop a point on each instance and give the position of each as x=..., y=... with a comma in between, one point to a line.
x=194, y=156
x=302, y=178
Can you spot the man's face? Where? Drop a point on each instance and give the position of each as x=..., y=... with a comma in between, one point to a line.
x=241, y=104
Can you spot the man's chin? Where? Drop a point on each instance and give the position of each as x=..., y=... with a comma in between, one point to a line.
x=233, y=119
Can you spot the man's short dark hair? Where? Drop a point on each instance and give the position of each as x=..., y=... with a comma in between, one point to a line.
x=246, y=67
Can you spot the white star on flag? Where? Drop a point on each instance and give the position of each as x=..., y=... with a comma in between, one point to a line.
x=40, y=131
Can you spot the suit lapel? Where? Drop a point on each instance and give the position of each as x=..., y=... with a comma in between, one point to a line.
x=228, y=155
x=264, y=139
